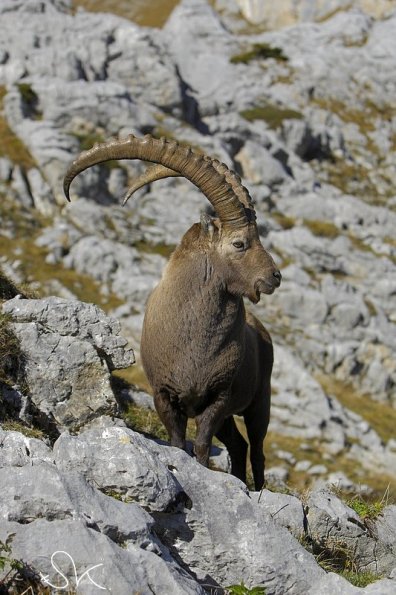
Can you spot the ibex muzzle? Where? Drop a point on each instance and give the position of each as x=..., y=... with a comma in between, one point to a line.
x=204, y=356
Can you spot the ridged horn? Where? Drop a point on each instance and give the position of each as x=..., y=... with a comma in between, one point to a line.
x=151, y=174
x=197, y=168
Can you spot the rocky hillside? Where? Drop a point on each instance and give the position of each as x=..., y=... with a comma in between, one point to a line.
x=306, y=114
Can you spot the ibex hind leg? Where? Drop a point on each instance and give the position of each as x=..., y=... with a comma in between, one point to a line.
x=256, y=420
x=236, y=445
x=174, y=420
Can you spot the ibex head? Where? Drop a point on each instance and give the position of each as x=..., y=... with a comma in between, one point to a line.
x=233, y=238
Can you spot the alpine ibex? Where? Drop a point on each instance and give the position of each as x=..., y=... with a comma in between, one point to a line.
x=204, y=356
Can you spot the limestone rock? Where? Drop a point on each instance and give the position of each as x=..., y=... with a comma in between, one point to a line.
x=69, y=348
x=118, y=459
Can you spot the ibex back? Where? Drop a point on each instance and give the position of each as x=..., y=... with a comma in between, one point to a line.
x=204, y=356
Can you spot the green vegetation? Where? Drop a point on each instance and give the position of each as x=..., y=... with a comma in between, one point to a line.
x=242, y=590
x=271, y=114
x=365, y=509
x=359, y=579
x=259, y=51
x=117, y=495
x=8, y=289
x=144, y=421
x=10, y=352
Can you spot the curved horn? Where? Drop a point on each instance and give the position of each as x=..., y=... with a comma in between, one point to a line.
x=151, y=174
x=197, y=168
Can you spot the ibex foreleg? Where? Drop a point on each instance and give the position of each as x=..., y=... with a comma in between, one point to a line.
x=174, y=420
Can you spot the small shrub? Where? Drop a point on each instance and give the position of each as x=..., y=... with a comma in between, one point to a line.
x=359, y=579
x=367, y=510
x=10, y=353
x=241, y=589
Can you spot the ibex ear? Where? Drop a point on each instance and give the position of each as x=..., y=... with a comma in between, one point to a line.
x=209, y=226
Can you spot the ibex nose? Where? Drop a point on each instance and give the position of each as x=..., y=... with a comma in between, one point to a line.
x=278, y=277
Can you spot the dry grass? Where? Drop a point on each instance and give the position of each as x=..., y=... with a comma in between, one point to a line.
x=380, y=416
x=10, y=145
x=148, y=14
x=273, y=115
x=35, y=270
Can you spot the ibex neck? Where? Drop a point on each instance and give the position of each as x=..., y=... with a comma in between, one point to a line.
x=197, y=293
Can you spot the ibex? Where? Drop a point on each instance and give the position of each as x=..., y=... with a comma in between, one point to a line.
x=204, y=356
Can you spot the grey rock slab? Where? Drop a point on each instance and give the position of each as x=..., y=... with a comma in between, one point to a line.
x=256, y=547
x=67, y=380
x=69, y=348
x=17, y=450
x=304, y=304
x=75, y=319
x=259, y=166
x=127, y=272
x=287, y=511
x=42, y=491
x=206, y=69
x=119, y=459
x=70, y=554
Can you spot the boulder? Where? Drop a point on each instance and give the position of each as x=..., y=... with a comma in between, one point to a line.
x=69, y=349
x=116, y=458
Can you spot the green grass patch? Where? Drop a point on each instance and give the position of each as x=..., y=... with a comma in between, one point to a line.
x=359, y=579
x=271, y=114
x=241, y=589
x=144, y=421
x=366, y=509
x=36, y=270
x=259, y=51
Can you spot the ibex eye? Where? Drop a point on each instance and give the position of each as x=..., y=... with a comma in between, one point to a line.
x=238, y=245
